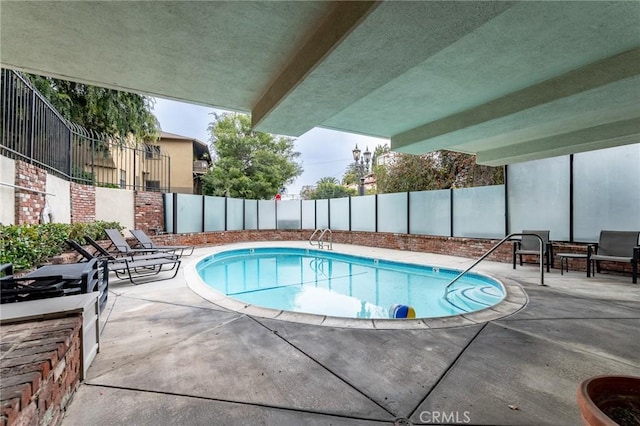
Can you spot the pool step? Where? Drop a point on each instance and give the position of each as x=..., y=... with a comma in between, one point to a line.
x=471, y=298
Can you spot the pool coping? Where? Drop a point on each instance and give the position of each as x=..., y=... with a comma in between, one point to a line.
x=514, y=300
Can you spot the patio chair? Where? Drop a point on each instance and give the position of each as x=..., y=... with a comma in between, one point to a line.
x=122, y=247
x=54, y=281
x=615, y=246
x=145, y=242
x=134, y=267
x=530, y=246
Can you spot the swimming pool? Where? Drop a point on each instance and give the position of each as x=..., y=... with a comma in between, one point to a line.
x=341, y=285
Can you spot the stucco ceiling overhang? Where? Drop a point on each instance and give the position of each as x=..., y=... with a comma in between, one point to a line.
x=509, y=81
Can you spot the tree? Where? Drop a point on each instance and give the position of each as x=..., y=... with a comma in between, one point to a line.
x=113, y=112
x=438, y=170
x=248, y=164
x=328, y=187
x=352, y=175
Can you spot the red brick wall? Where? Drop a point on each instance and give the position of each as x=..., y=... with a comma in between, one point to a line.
x=29, y=204
x=471, y=248
x=83, y=203
x=149, y=211
x=40, y=370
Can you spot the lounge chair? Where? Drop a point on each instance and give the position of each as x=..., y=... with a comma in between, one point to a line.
x=122, y=247
x=145, y=242
x=131, y=267
x=530, y=246
x=103, y=253
x=56, y=280
x=615, y=246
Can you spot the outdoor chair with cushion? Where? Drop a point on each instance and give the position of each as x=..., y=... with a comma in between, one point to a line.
x=145, y=242
x=122, y=247
x=132, y=268
x=615, y=246
x=529, y=245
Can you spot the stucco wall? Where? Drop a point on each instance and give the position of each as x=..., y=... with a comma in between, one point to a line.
x=60, y=204
x=7, y=194
x=115, y=205
x=181, y=153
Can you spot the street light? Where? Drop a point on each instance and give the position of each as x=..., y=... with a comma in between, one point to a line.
x=362, y=166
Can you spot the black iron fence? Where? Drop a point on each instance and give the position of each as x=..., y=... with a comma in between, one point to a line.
x=33, y=131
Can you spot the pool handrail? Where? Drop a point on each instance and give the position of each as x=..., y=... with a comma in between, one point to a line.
x=320, y=239
x=507, y=238
x=313, y=235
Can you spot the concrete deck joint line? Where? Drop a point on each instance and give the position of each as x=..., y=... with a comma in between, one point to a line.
x=230, y=401
x=275, y=332
x=446, y=371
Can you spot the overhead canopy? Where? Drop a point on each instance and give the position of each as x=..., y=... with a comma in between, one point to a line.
x=510, y=81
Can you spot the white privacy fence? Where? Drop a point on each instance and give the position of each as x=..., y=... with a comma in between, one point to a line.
x=573, y=196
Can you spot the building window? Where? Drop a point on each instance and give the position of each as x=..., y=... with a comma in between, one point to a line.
x=152, y=152
x=152, y=185
x=123, y=178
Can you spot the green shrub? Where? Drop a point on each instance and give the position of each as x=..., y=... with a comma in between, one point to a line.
x=27, y=245
x=94, y=230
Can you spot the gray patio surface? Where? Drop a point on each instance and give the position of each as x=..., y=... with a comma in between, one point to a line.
x=168, y=356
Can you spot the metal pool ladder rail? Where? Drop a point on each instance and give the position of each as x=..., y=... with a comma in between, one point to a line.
x=319, y=240
x=507, y=238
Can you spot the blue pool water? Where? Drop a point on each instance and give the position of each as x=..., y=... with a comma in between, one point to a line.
x=327, y=283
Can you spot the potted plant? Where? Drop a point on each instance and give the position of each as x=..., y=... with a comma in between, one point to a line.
x=610, y=400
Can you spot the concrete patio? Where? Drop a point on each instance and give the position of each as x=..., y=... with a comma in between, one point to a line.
x=170, y=357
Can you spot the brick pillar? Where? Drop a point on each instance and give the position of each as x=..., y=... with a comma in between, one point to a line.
x=83, y=203
x=149, y=211
x=29, y=204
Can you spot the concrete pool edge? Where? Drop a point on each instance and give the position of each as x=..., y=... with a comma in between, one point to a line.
x=514, y=300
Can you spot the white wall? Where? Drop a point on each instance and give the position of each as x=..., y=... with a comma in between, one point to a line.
x=116, y=205
x=60, y=204
x=7, y=194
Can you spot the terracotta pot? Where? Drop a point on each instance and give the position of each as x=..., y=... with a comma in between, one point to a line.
x=610, y=400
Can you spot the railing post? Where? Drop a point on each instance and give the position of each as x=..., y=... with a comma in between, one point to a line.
x=135, y=168
x=32, y=126
x=70, y=162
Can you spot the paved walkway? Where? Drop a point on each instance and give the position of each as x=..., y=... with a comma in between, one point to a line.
x=170, y=357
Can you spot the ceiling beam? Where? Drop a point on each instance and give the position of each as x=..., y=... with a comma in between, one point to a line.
x=341, y=21
x=597, y=137
x=606, y=71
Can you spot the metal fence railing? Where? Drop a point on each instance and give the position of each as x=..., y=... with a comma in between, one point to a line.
x=32, y=130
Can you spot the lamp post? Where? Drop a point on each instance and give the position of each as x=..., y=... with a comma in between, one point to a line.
x=362, y=166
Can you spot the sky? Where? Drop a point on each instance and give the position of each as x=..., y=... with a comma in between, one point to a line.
x=323, y=152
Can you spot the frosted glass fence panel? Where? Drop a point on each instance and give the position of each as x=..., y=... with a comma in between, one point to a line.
x=214, y=212
x=168, y=211
x=606, y=191
x=288, y=214
x=266, y=214
x=538, y=196
x=250, y=214
x=430, y=212
x=235, y=214
x=189, y=213
x=339, y=209
x=363, y=213
x=308, y=214
x=479, y=212
x=322, y=214
x=393, y=213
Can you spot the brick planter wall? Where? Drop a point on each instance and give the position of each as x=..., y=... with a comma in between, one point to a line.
x=40, y=370
x=149, y=211
x=29, y=204
x=83, y=203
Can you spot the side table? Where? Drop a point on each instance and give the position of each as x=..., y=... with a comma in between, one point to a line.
x=564, y=260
